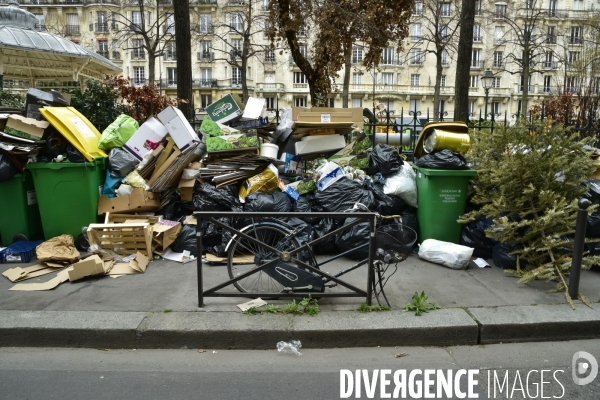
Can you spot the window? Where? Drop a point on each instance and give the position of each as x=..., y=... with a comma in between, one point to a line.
x=136, y=18
x=415, y=57
x=597, y=85
x=477, y=7
x=237, y=45
x=237, y=23
x=443, y=81
x=388, y=55
x=270, y=103
x=330, y=102
x=442, y=107
x=205, y=54
x=573, y=58
x=445, y=10
x=575, y=37
x=387, y=78
x=415, y=32
x=476, y=33
x=471, y=107
x=170, y=23
x=138, y=49
x=270, y=78
x=498, y=55
x=547, y=84
x=474, y=81
x=299, y=77
x=72, y=27
x=445, y=35
x=499, y=35
x=236, y=76
x=357, y=55
x=496, y=107
x=170, y=51
x=101, y=21
x=300, y=102
x=356, y=79
x=269, y=54
x=414, y=105
x=475, y=63
x=102, y=47
x=552, y=8
x=138, y=76
x=445, y=58
x=497, y=82
x=267, y=28
x=549, y=63
x=357, y=103
x=205, y=100
x=304, y=51
x=115, y=49
x=205, y=23
x=551, y=35
x=572, y=84
x=529, y=87
x=114, y=21
x=418, y=8
x=205, y=77
x=415, y=80
x=500, y=10
x=578, y=5
x=171, y=76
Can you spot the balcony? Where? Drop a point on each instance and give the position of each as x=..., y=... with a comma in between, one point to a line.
x=498, y=64
x=235, y=55
x=500, y=15
x=476, y=64
x=72, y=30
x=103, y=53
x=204, y=83
x=550, y=90
x=203, y=2
x=168, y=83
x=115, y=55
x=94, y=2
x=99, y=28
x=477, y=39
x=205, y=29
x=138, y=55
x=141, y=81
x=575, y=40
x=205, y=56
x=530, y=89
x=415, y=63
x=264, y=7
x=300, y=86
x=270, y=87
x=170, y=56
x=550, y=65
x=416, y=38
x=551, y=39
x=40, y=27
x=170, y=30
x=499, y=41
x=236, y=2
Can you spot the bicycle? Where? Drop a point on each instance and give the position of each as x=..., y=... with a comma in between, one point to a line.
x=289, y=260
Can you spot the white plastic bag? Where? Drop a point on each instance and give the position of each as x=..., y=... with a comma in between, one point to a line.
x=403, y=185
x=289, y=348
x=448, y=254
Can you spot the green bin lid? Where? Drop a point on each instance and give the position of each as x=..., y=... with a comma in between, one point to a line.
x=445, y=172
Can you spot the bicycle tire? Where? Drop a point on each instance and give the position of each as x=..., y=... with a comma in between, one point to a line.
x=270, y=234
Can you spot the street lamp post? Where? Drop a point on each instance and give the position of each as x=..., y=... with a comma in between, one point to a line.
x=486, y=81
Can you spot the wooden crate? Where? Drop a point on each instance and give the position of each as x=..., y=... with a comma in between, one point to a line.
x=114, y=218
x=123, y=239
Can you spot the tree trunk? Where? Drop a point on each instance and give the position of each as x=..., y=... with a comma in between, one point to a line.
x=183, y=44
x=151, y=67
x=347, y=72
x=525, y=95
x=436, y=89
x=465, y=46
x=245, y=52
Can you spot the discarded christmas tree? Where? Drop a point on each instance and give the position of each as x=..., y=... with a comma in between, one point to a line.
x=530, y=178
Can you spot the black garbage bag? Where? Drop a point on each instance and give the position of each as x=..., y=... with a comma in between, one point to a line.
x=384, y=204
x=276, y=202
x=56, y=144
x=207, y=197
x=186, y=240
x=211, y=234
x=304, y=230
x=305, y=204
x=342, y=196
x=593, y=193
x=74, y=155
x=7, y=168
x=326, y=225
x=121, y=162
x=384, y=159
x=473, y=235
x=593, y=224
x=502, y=257
x=443, y=159
x=354, y=238
x=409, y=218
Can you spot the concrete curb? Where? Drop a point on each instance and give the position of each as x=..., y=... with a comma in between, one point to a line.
x=233, y=330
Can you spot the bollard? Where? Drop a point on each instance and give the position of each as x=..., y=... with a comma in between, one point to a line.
x=578, y=248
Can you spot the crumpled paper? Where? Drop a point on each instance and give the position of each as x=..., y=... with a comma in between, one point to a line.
x=60, y=248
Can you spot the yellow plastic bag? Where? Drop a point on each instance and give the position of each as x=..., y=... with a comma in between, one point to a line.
x=263, y=182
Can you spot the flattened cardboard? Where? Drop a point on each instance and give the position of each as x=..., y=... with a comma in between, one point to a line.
x=92, y=265
x=19, y=274
x=186, y=187
x=158, y=172
x=31, y=126
x=178, y=127
x=320, y=144
x=324, y=118
x=164, y=234
x=152, y=130
x=138, y=201
x=61, y=277
x=137, y=266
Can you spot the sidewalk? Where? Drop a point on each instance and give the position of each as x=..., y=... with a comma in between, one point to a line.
x=159, y=309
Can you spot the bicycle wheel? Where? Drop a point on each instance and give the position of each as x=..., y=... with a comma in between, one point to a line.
x=243, y=256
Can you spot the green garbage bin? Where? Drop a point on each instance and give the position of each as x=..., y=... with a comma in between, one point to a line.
x=442, y=199
x=19, y=212
x=68, y=195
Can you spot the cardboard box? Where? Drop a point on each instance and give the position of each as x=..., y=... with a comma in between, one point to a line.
x=324, y=117
x=164, y=234
x=187, y=189
x=357, y=113
x=32, y=127
x=354, y=154
x=138, y=201
x=248, y=140
x=225, y=109
x=178, y=127
x=320, y=144
x=254, y=108
x=152, y=131
x=293, y=164
x=90, y=266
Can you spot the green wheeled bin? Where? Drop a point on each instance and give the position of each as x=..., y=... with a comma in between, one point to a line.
x=68, y=195
x=19, y=212
x=442, y=200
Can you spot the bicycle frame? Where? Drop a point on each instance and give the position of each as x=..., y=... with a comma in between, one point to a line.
x=354, y=291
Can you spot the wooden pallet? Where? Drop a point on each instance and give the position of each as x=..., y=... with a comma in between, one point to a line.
x=113, y=218
x=123, y=239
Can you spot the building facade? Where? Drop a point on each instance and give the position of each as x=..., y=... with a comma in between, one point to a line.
x=563, y=55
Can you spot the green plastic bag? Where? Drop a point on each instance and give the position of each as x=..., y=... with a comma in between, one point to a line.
x=118, y=133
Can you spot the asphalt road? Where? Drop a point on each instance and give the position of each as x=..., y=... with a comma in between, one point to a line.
x=43, y=373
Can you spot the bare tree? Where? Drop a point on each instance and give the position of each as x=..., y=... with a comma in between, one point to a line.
x=435, y=31
x=184, y=56
x=465, y=45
